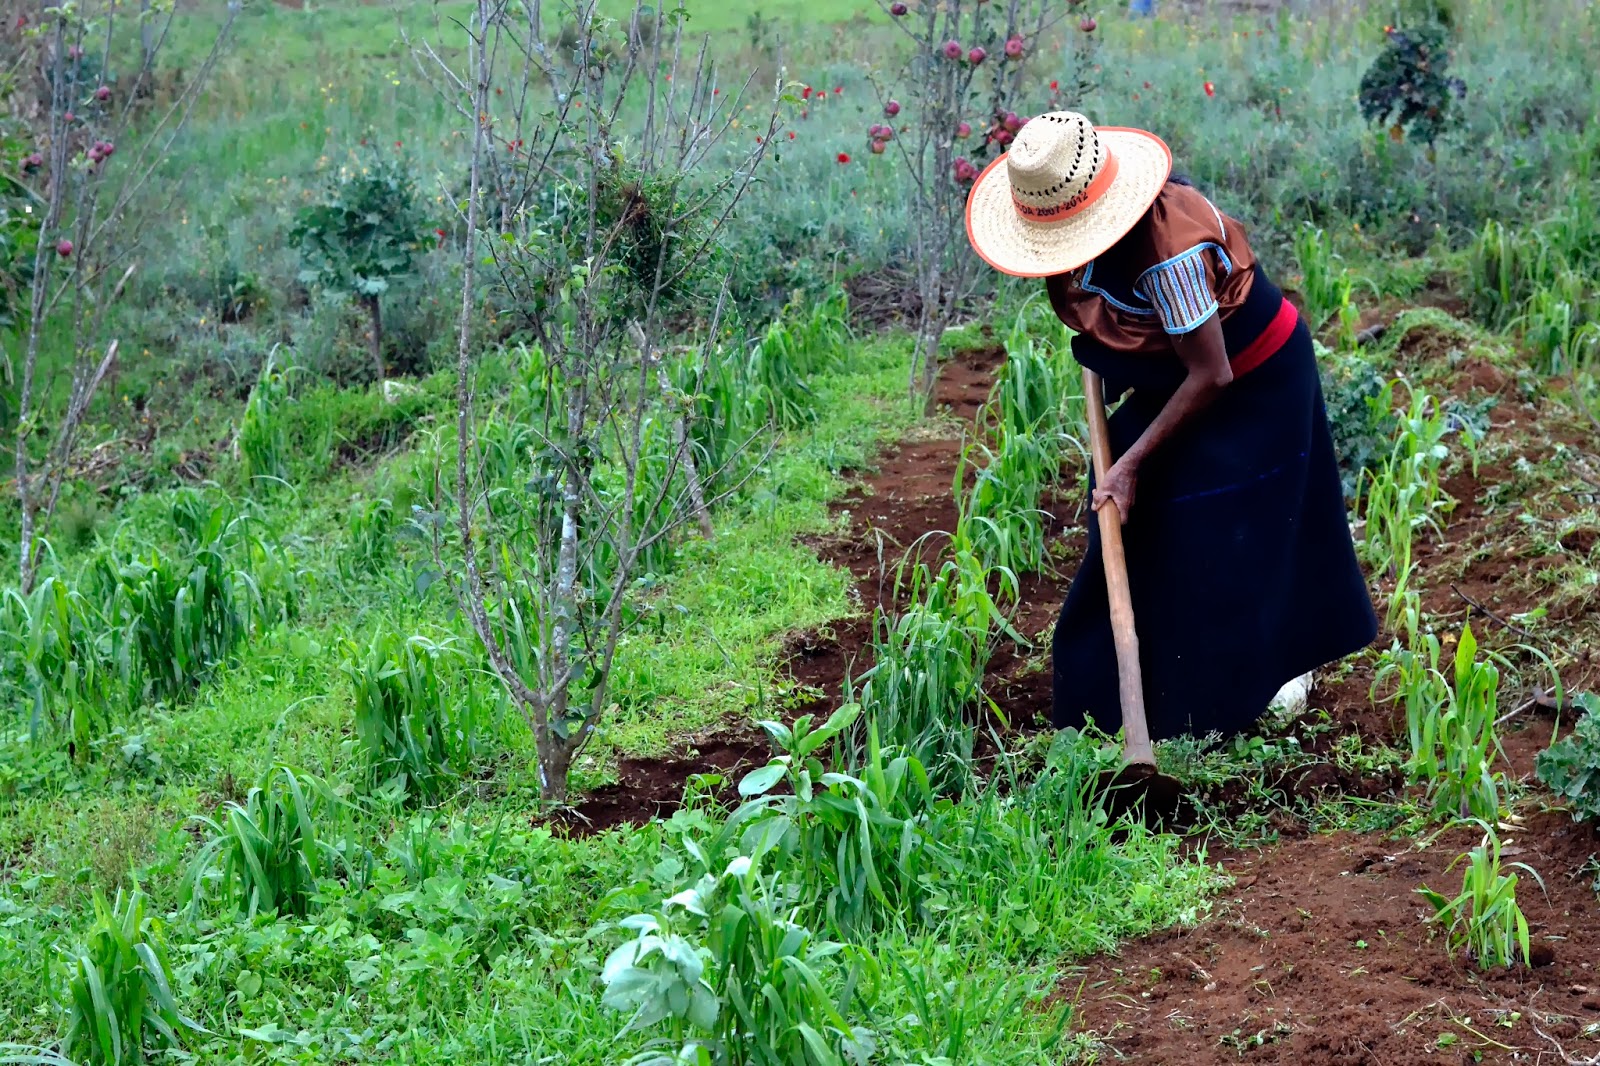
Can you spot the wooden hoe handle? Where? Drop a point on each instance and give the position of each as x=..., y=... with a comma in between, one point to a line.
x=1136, y=746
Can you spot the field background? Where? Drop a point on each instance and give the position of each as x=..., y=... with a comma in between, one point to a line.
x=474, y=925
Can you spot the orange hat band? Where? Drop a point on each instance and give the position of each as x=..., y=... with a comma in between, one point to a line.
x=1077, y=203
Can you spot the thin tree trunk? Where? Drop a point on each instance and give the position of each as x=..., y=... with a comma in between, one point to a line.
x=375, y=315
x=685, y=453
x=147, y=33
x=555, y=751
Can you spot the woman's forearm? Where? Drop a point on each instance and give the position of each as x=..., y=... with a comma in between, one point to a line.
x=1198, y=391
x=1205, y=357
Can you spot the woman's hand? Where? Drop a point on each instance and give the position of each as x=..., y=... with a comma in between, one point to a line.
x=1118, y=486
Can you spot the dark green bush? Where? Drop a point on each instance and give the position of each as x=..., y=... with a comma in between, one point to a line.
x=1571, y=766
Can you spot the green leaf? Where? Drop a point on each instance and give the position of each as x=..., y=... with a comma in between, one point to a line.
x=758, y=782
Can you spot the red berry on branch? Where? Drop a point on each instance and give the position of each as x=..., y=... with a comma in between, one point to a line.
x=64, y=248
x=877, y=147
x=976, y=56
x=952, y=49
x=964, y=129
x=898, y=9
x=892, y=108
x=1087, y=24
x=103, y=93
x=1014, y=48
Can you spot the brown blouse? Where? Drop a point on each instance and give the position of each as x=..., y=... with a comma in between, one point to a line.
x=1180, y=263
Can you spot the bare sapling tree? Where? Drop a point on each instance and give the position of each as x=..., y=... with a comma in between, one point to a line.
x=88, y=98
x=971, y=64
x=604, y=167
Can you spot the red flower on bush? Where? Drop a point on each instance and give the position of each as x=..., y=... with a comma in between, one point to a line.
x=440, y=234
x=1211, y=90
x=844, y=157
x=1055, y=87
x=791, y=135
x=805, y=94
x=837, y=89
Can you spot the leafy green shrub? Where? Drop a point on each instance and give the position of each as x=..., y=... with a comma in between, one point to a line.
x=265, y=852
x=362, y=236
x=1407, y=85
x=1571, y=766
x=1362, y=426
x=858, y=843
x=725, y=971
x=414, y=731
x=119, y=997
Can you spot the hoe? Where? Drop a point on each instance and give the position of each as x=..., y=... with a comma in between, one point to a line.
x=1139, y=779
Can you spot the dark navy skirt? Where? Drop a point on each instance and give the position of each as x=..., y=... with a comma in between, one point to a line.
x=1239, y=558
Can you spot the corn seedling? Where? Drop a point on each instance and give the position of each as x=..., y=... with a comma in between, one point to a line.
x=927, y=674
x=796, y=346
x=1325, y=285
x=414, y=731
x=1030, y=389
x=266, y=852
x=1450, y=726
x=119, y=997
x=59, y=650
x=1002, y=517
x=1404, y=493
x=262, y=443
x=370, y=538
x=1484, y=920
x=183, y=619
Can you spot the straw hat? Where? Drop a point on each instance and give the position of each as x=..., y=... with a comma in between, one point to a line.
x=1064, y=193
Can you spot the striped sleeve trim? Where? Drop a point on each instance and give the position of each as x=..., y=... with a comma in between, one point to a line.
x=1180, y=289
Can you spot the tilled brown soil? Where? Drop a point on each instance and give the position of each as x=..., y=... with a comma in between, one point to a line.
x=1321, y=955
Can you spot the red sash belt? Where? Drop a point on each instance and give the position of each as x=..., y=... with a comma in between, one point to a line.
x=1274, y=337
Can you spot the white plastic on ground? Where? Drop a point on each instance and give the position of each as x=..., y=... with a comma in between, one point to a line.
x=1291, y=698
